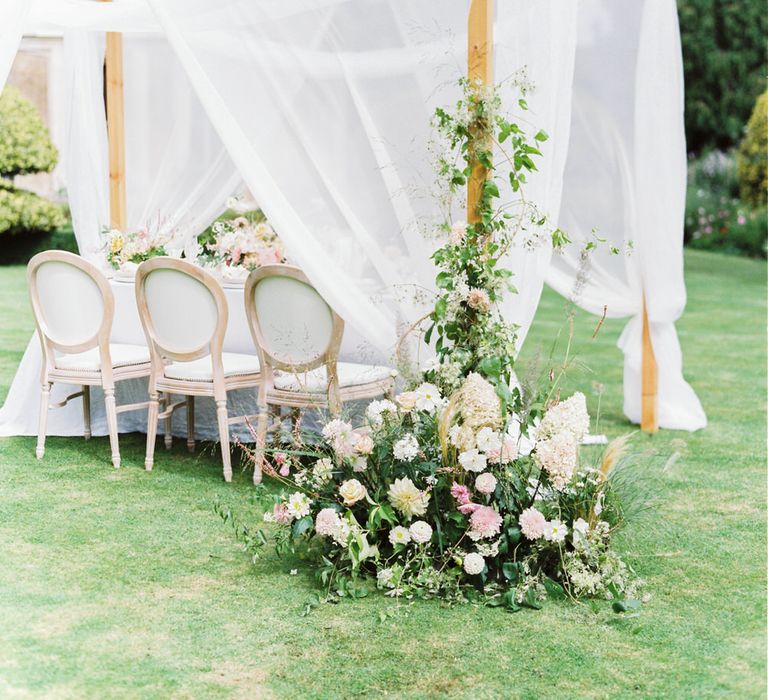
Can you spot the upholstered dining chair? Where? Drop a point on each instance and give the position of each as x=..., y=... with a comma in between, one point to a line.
x=184, y=313
x=73, y=306
x=298, y=336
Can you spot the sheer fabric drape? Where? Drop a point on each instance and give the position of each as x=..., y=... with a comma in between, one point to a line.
x=625, y=176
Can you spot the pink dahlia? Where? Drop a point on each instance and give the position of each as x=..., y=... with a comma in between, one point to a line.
x=460, y=493
x=485, y=522
x=532, y=523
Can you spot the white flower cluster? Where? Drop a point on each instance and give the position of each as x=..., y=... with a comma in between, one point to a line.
x=557, y=456
x=569, y=416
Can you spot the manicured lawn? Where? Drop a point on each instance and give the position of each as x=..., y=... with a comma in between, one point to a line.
x=125, y=584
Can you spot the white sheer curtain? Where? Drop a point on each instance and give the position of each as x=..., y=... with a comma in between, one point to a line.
x=625, y=176
x=331, y=129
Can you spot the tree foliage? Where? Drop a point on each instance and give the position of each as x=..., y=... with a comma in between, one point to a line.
x=724, y=57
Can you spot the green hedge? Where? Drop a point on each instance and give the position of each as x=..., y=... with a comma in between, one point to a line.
x=753, y=156
x=25, y=145
x=724, y=58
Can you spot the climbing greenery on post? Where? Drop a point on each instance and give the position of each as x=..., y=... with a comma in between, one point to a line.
x=25, y=148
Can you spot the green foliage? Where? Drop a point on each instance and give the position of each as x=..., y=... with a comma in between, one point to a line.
x=21, y=210
x=753, y=156
x=25, y=145
x=715, y=219
x=724, y=61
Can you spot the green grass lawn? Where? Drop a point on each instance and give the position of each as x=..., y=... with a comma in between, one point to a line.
x=125, y=584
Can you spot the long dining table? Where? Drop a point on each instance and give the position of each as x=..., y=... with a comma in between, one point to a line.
x=19, y=415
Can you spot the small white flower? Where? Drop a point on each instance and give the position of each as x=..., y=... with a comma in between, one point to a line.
x=406, y=449
x=473, y=461
x=384, y=576
x=359, y=464
x=428, y=398
x=323, y=470
x=399, y=535
x=555, y=531
x=474, y=564
x=599, y=504
x=581, y=526
x=421, y=532
x=294, y=572
x=298, y=505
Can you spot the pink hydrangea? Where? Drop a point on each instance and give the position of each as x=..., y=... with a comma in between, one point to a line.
x=460, y=493
x=485, y=522
x=327, y=521
x=532, y=523
x=281, y=515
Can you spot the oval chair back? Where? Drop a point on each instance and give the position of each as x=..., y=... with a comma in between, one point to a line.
x=293, y=327
x=182, y=309
x=72, y=303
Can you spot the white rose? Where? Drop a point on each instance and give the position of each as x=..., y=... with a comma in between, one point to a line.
x=352, y=491
x=421, y=532
x=474, y=564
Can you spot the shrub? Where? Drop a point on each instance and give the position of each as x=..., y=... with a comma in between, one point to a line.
x=753, y=156
x=715, y=219
x=25, y=145
x=25, y=211
x=724, y=61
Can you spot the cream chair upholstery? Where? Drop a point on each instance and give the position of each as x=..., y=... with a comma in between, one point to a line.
x=73, y=307
x=184, y=313
x=298, y=337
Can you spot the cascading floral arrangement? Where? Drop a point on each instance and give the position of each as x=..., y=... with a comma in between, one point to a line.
x=465, y=486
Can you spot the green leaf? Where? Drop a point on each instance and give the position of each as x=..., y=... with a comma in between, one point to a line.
x=541, y=136
x=444, y=280
x=491, y=188
x=554, y=589
x=622, y=606
x=490, y=367
x=301, y=526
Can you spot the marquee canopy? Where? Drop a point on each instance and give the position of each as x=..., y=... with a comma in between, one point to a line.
x=322, y=109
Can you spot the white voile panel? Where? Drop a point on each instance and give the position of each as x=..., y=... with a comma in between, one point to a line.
x=13, y=18
x=625, y=176
x=331, y=134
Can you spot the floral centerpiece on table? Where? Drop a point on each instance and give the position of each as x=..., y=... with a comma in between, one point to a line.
x=465, y=486
x=129, y=248
x=242, y=242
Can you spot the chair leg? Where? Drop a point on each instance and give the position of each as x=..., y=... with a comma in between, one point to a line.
x=222, y=417
x=45, y=395
x=168, y=421
x=261, y=442
x=154, y=401
x=191, y=423
x=109, y=401
x=86, y=412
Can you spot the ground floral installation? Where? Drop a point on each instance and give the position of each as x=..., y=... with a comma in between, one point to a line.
x=463, y=487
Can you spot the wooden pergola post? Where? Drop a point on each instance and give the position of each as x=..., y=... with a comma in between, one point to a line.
x=113, y=65
x=649, y=400
x=479, y=68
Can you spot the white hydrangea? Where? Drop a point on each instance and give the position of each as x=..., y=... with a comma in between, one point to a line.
x=474, y=563
x=421, y=532
x=567, y=416
x=557, y=456
x=406, y=449
x=488, y=440
x=376, y=410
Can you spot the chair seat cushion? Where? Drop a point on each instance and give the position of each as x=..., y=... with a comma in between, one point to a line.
x=316, y=381
x=122, y=354
x=201, y=370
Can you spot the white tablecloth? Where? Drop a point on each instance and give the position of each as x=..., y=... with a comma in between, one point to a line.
x=19, y=414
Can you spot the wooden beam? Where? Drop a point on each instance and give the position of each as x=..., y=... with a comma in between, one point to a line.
x=479, y=69
x=113, y=64
x=649, y=407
